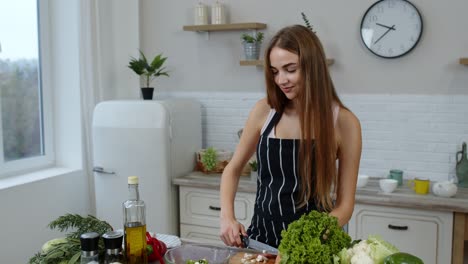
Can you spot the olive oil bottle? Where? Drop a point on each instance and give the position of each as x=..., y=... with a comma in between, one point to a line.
x=134, y=211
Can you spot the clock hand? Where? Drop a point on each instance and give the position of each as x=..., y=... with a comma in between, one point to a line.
x=392, y=27
x=388, y=30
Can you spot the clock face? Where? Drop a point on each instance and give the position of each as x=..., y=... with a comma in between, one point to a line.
x=391, y=28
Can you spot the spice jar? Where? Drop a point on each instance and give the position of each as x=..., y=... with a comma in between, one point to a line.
x=89, y=248
x=113, y=247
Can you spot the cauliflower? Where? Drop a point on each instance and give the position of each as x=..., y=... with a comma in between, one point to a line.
x=360, y=254
x=370, y=251
x=361, y=257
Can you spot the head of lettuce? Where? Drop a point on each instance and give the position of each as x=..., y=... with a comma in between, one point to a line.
x=314, y=238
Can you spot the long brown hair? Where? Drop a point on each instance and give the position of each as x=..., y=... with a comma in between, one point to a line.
x=315, y=100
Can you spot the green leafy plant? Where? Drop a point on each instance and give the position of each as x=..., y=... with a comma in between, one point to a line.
x=209, y=158
x=150, y=71
x=255, y=38
x=253, y=165
x=68, y=249
x=306, y=21
x=314, y=238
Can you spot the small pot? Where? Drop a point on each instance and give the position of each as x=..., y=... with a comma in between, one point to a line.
x=252, y=50
x=147, y=93
x=253, y=175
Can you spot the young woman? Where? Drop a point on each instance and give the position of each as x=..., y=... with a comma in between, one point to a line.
x=308, y=144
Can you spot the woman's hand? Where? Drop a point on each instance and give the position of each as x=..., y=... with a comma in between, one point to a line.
x=278, y=259
x=231, y=230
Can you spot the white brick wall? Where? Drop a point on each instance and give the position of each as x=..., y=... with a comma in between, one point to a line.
x=419, y=134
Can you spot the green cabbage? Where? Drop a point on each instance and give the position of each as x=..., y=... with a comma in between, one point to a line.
x=303, y=241
x=53, y=243
x=380, y=248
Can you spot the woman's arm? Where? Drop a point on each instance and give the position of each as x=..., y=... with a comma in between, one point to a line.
x=349, y=155
x=230, y=227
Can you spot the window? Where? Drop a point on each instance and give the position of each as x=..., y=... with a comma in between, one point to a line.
x=25, y=143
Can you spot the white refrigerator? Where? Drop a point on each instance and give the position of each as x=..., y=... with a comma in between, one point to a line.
x=154, y=140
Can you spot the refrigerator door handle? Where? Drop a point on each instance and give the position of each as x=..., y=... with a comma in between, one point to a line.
x=101, y=170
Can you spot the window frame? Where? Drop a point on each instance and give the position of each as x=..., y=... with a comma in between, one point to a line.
x=26, y=165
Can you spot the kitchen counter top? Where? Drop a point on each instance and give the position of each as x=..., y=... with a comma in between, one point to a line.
x=370, y=194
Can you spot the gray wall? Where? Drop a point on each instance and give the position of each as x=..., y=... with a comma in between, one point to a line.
x=201, y=64
x=410, y=105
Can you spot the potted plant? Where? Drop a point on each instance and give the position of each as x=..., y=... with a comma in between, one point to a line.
x=209, y=158
x=252, y=45
x=253, y=169
x=150, y=71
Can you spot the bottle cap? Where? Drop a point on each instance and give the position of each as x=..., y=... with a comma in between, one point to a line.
x=113, y=240
x=89, y=241
x=133, y=180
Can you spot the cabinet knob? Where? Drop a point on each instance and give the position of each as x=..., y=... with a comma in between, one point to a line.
x=395, y=227
x=214, y=208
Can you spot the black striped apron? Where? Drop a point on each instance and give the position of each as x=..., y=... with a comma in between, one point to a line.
x=277, y=187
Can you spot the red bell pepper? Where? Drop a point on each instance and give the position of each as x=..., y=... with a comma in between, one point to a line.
x=159, y=248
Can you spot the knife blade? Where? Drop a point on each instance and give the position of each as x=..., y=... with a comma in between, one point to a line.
x=254, y=244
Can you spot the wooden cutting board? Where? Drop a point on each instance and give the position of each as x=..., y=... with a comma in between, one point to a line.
x=236, y=259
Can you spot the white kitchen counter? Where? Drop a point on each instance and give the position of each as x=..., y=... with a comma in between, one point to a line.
x=370, y=194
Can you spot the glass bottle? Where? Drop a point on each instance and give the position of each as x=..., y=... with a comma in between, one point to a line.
x=89, y=248
x=113, y=247
x=134, y=225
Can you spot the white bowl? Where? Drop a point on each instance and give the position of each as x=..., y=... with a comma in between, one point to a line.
x=362, y=180
x=388, y=185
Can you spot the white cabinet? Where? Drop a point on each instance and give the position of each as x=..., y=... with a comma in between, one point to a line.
x=200, y=211
x=426, y=234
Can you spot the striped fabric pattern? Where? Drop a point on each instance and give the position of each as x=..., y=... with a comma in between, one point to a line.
x=277, y=187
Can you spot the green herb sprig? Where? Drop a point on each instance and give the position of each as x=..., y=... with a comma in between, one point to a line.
x=81, y=224
x=68, y=250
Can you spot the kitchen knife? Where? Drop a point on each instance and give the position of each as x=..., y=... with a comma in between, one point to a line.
x=254, y=244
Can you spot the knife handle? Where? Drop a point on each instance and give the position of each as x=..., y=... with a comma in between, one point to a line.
x=245, y=240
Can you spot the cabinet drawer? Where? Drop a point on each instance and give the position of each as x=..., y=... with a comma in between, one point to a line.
x=201, y=234
x=426, y=234
x=202, y=207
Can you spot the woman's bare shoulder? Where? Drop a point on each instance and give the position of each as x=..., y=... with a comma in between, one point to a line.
x=348, y=127
x=261, y=109
x=347, y=119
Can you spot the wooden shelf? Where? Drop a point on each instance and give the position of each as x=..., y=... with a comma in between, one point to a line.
x=251, y=63
x=260, y=62
x=225, y=27
x=464, y=61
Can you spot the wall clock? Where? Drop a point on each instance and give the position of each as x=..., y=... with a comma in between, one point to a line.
x=391, y=28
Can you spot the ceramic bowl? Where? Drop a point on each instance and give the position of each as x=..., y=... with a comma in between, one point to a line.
x=213, y=254
x=388, y=185
x=362, y=180
x=444, y=189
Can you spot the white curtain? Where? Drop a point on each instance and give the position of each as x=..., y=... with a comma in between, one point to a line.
x=91, y=91
x=109, y=36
